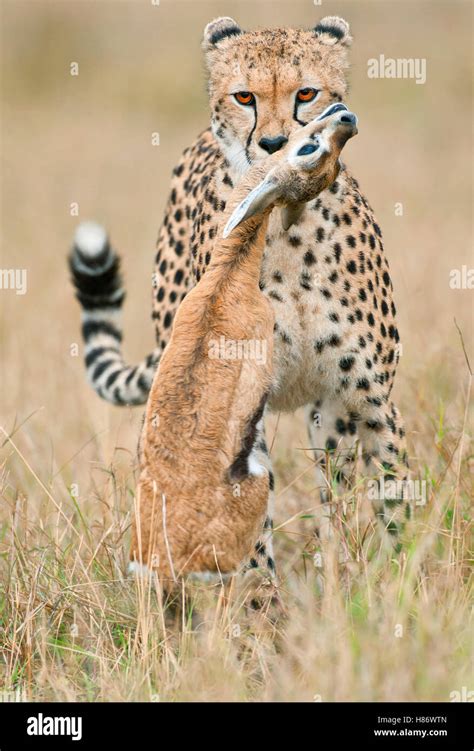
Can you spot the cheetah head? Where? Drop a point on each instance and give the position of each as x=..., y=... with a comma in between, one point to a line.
x=263, y=85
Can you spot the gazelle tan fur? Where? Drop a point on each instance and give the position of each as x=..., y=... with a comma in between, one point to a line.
x=203, y=488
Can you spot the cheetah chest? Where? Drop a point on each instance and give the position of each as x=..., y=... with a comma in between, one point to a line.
x=301, y=277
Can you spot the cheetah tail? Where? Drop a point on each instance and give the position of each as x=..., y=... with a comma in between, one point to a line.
x=95, y=269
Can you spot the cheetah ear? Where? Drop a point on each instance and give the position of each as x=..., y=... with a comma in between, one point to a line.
x=219, y=29
x=333, y=30
x=257, y=201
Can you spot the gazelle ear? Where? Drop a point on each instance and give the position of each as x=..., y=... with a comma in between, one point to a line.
x=290, y=214
x=257, y=201
x=219, y=29
x=333, y=30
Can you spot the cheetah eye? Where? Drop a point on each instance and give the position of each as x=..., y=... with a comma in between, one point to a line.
x=244, y=97
x=306, y=95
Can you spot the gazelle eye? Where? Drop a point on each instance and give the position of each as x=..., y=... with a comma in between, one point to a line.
x=308, y=148
x=306, y=95
x=244, y=97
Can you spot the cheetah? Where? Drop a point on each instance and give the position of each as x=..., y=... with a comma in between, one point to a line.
x=324, y=269
x=203, y=490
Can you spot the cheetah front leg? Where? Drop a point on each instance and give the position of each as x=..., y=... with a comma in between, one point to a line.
x=332, y=433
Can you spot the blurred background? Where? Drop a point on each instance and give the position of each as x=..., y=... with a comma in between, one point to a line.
x=86, y=139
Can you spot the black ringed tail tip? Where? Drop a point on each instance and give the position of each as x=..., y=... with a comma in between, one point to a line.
x=95, y=272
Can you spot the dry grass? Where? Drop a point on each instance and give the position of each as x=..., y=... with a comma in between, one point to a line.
x=372, y=629
x=73, y=627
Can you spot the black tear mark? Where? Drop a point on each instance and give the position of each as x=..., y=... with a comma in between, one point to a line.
x=295, y=114
x=247, y=145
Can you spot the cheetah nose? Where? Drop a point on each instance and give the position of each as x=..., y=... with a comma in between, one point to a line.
x=272, y=144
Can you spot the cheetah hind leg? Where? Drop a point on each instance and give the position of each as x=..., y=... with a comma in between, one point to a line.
x=385, y=459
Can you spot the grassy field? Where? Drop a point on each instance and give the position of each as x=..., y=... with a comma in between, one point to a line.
x=72, y=625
